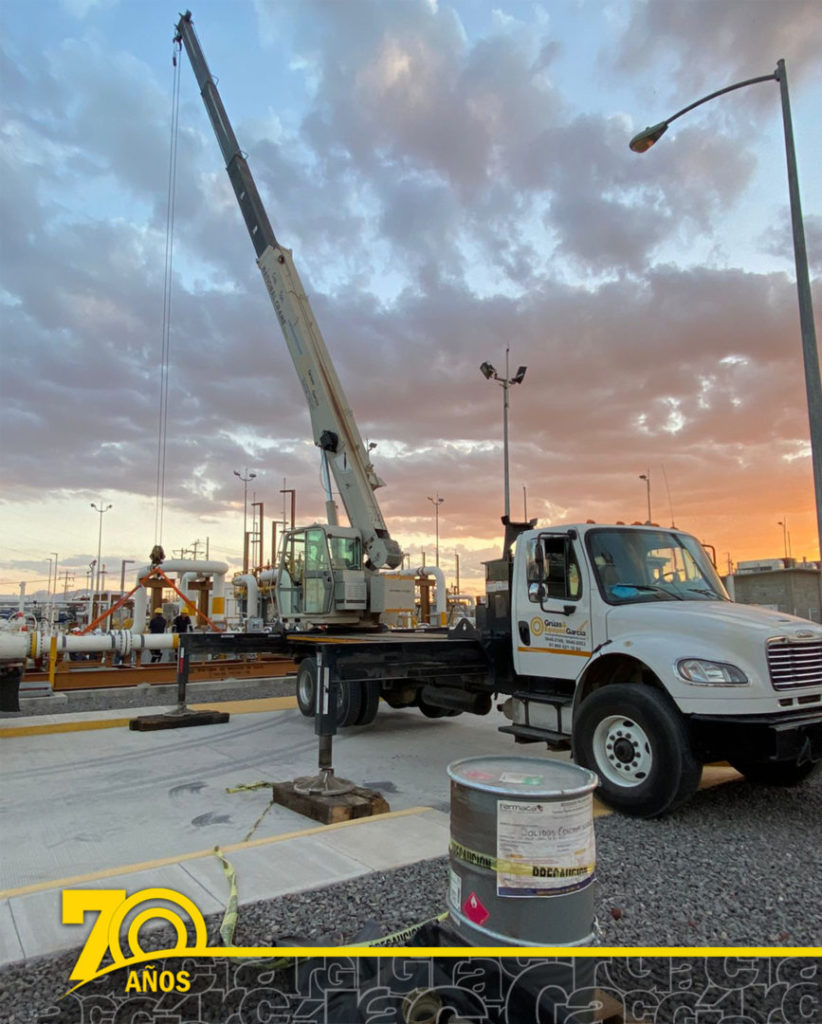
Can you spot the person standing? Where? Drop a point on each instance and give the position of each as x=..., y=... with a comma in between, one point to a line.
x=157, y=624
x=181, y=623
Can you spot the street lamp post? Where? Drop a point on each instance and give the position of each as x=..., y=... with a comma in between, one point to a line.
x=643, y=141
x=647, y=478
x=436, y=502
x=91, y=567
x=101, y=509
x=505, y=383
x=53, y=598
x=245, y=477
x=784, y=524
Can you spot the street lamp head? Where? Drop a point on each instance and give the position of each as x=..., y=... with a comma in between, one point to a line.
x=488, y=371
x=643, y=141
x=252, y=476
x=643, y=476
x=519, y=375
x=237, y=473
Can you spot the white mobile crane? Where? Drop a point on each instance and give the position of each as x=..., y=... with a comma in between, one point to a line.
x=327, y=572
x=619, y=642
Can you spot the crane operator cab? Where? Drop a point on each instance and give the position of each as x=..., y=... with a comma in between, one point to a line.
x=321, y=577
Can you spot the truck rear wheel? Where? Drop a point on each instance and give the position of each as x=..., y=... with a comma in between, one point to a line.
x=354, y=705
x=370, y=703
x=636, y=741
x=350, y=699
x=774, y=773
x=307, y=687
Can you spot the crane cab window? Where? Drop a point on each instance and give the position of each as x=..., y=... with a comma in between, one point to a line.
x=346, y=552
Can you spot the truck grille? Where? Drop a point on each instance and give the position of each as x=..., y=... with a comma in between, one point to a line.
x=795, y=663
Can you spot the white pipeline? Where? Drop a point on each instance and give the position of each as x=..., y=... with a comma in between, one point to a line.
x=440, y=617
x=121, y=641
x=252, y=604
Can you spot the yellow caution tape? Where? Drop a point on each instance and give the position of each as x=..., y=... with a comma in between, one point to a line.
x=516, y=867
x=229, y=922
x=405, y=933
x=248, y=787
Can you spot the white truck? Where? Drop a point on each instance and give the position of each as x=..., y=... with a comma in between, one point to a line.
x=618, y=642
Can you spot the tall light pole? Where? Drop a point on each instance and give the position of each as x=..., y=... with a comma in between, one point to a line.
x=53, y=598
x=647, y=478
x=784, y=524
x=101, y=509
x=436, y=502
x=505, y=383
x=47, y=604
x=245, y=476
x=813, y=385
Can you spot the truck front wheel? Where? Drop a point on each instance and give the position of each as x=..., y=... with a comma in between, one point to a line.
x=774, y=773
x=636, y=741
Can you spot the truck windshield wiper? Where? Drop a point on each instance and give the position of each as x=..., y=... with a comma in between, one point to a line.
x=653, y=587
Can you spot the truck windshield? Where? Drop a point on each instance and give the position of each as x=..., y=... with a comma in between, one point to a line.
x=652, y=565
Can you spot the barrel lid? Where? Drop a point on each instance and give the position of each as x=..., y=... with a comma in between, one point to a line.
x=523, y=776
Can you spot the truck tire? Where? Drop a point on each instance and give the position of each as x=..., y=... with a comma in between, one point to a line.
x=370, y=703
x=349, y=704
x=307, y=687
x=774, y=773
x=636, y=741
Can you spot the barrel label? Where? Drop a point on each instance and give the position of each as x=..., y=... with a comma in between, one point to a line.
x=549, y=845
x=454, y=888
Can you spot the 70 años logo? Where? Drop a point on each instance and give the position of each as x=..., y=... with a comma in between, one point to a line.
x=120, y=916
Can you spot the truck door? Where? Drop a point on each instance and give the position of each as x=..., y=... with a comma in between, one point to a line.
x=553, y=634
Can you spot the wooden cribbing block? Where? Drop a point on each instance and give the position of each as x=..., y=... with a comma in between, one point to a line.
x=357, y=803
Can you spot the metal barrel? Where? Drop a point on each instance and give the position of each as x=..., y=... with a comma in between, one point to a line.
x=522, y=852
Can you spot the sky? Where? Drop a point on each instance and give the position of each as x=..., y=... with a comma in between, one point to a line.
x=454, y=179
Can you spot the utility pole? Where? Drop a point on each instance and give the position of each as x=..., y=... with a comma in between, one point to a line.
x=123, y=564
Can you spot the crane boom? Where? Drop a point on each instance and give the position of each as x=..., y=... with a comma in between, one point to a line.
x=333, y=424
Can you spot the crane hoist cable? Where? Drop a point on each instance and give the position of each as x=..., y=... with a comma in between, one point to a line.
x=162, y=429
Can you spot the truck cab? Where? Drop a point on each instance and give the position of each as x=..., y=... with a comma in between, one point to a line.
x=626, y=646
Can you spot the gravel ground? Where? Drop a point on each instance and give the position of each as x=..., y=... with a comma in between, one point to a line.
x=740, y=868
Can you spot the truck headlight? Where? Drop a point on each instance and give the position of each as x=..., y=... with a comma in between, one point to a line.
x=709, y=673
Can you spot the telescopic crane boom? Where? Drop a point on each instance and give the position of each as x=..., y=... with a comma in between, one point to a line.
x=335, y=431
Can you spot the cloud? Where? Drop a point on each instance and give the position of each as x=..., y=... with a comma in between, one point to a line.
x=703, y=43
x=446, y=195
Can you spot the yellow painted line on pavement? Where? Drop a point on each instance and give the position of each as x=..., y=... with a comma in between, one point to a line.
x=50, y=727
x=148, y=865
x=234, y=707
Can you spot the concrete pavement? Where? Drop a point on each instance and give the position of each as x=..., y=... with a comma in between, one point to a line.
x=87, y=803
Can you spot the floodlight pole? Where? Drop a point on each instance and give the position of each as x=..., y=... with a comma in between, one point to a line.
x=245, y=477
x=505, y=383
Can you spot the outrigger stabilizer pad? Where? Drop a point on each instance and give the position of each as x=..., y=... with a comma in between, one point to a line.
x=181, y=718
x=327, y=799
